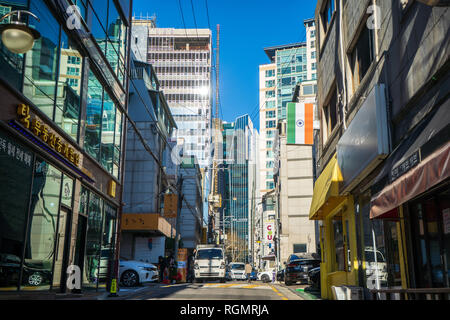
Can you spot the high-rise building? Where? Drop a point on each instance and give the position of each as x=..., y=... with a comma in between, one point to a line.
x=239, y=183
x=182, y=61
x=289, y=65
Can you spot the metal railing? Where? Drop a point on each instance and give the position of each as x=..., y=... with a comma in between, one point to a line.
x=411, y=294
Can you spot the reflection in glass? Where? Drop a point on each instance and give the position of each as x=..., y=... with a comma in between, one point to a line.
x=15, y=179
x=93, y=238
x=93, y=117
x=40, y=245
x=42, y=61
x=107, y=254
x=107, y=136
x=69, y=87
x=117, y=143
x=11, y=64
x=339, y=244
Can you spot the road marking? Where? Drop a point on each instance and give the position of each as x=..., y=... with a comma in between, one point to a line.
x=279, y=294
x=251, y=286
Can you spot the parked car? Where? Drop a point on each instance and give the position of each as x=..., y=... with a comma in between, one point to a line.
x=314, y=277
x=133, y=273
x=265, y=276
x=35, y=272
x=297, y=270
x=280, y=275
x=302, y=255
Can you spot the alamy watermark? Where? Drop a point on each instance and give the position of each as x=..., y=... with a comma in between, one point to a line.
x=373, y=22
x=74, y=19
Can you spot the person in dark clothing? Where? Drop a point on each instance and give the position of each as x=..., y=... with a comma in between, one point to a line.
x=190, y=268
x=161, y=267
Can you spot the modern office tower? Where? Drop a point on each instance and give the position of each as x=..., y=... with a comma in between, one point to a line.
x=182, y=61
x=239, y=168
x=289, y=65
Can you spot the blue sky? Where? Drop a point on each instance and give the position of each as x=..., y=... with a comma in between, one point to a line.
x=246, y=27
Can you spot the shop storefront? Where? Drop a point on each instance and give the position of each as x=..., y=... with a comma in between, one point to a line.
x=337, y=231
x=413, y=189
x=41, y=232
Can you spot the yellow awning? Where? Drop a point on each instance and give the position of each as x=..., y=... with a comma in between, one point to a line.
x=326, y=191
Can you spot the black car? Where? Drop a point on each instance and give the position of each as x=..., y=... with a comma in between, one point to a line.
x=35, y=272
x=297, y=270
x=302, y=255
x=280, y=275
x=314, y=277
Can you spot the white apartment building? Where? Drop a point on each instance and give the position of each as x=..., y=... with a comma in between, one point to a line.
x=290, y=64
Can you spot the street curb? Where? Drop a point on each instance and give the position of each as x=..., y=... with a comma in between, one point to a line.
x=306, y=295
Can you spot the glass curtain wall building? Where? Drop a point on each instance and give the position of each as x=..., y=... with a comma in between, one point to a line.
x=239, y=178
x=61, y=145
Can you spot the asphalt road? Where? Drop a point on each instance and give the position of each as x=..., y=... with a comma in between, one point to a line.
x=213, y=291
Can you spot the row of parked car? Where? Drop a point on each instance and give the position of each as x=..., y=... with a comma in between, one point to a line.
x=299, y=268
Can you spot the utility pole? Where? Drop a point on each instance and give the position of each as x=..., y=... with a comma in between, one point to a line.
x=177, y=224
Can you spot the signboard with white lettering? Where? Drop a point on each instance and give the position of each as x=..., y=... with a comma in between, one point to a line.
x=406, y=165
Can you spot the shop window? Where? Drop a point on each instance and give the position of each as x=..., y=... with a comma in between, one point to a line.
x=68, y=102
x=339, y=246
x=93, y=238
x=373, y=247
x=100, y=238
x=430, y=225
x=362, y=56
x=93, y=117
x=41, y=63
x=40, y=242
x=16, y=168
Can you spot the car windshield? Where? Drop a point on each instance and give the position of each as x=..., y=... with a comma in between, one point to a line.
x=209, y=254
x=238, y=267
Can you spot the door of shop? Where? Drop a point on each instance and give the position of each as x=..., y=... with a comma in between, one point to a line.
x=62, y=249
x=430, y=227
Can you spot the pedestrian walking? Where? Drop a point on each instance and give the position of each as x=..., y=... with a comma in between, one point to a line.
x=248, y=271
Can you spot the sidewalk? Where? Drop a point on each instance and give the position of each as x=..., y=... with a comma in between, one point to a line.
x=102, y=294
x=303, y=291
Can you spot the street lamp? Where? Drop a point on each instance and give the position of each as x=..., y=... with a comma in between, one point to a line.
x=16, y=35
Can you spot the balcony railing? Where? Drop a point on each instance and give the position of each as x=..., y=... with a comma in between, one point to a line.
x=411, y=294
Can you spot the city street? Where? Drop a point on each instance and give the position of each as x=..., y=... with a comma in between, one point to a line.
x=236, y=290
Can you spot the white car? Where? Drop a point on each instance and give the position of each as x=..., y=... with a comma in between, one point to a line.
x=265, y=276
x=132, y=273
x=237, y=271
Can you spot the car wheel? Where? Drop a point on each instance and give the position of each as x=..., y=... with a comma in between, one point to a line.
x=222, y=280
x=265, y=278
x=130, y=278
x=288, y=283
x=35, y=279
